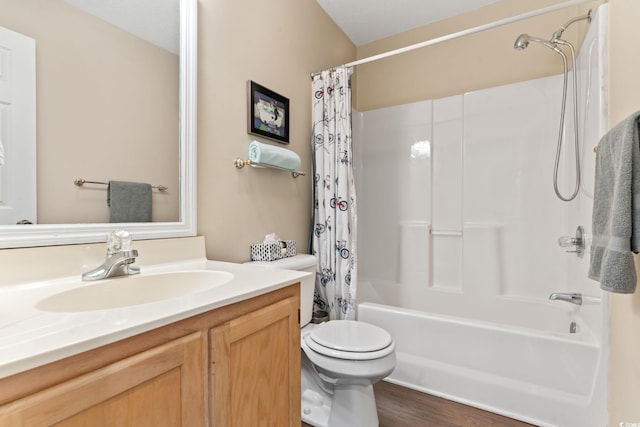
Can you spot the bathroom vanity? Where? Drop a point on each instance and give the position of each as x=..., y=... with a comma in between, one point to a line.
x=229, y=356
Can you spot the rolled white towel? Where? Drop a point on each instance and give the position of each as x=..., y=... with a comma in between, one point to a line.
x=273, y=156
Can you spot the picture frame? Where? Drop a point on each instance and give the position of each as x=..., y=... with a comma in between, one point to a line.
x=268, y=113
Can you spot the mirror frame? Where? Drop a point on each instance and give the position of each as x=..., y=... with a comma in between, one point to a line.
x=15, y=236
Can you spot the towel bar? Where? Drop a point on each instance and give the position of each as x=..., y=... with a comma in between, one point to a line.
x=81, y=181
x=239, y=163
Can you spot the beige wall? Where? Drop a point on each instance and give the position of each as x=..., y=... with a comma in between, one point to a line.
x=473, y=62
x=624, y=63
x=107, y=109
x=276, y=44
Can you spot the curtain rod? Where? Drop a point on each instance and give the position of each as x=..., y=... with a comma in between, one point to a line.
x=463, y=33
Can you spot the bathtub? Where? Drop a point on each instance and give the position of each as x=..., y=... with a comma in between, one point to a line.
x=546, y=377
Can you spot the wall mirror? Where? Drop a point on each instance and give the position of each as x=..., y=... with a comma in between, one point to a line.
x=75, y=214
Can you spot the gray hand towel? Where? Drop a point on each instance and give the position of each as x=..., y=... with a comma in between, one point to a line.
x=616, y=208
x=129, y=201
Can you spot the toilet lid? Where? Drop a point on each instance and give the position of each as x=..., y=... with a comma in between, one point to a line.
x=348, y=339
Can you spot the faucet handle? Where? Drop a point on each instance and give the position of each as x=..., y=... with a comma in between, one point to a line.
x=118, y=241
x=578, y=241
x=567, y=241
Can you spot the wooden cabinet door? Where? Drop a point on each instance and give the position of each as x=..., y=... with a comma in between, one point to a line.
x=163, y=386
x=256, y=368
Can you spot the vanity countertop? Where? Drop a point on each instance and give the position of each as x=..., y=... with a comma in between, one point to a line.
x=30, y=337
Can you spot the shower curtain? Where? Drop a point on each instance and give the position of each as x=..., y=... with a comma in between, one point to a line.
x=334, y=229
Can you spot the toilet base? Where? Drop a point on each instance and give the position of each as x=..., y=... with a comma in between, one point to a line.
x=354, y=405
x=345, y=405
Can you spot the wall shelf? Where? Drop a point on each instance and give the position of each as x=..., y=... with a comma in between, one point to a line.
x=239, y=164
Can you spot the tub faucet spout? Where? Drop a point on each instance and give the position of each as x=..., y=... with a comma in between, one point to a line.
x=574, y=298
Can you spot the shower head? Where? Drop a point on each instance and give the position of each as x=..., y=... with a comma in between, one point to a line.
x=523, y=40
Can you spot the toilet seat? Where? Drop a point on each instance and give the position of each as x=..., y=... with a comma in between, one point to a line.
x=350, y=340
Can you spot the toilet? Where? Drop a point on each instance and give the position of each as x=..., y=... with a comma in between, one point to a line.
x=341, y=360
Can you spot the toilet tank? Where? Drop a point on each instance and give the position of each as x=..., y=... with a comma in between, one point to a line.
x=300, y=262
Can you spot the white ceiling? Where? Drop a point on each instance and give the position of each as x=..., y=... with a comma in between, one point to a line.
x=156, y=21
x=364, y=21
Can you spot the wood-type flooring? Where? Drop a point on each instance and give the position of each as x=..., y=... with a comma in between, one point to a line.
x=402, y=407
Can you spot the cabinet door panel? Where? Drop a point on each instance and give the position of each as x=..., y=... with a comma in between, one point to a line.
x=257, y=368
x=159, y=387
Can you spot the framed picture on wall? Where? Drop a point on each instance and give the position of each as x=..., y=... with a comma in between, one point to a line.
x=268, y=113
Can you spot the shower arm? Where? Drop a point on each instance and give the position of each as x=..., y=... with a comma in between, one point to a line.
x=556, y=37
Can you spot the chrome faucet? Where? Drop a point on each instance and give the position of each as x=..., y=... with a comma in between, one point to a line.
x=119, y=258
x=572, y=298
x=118, y=264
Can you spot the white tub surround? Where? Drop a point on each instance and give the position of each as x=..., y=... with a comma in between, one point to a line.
x=459, y=226
x=30, y=337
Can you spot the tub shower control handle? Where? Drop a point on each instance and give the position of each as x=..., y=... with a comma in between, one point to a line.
x=576, y=241
x=566, y=241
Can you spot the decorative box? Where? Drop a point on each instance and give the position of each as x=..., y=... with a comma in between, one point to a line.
x=288, y=247
x=266, y=251
x=273, y=251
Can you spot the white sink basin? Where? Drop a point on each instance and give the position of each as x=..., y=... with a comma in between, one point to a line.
x=133, y=290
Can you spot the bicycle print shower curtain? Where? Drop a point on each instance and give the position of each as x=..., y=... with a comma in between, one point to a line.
x=334, y=234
